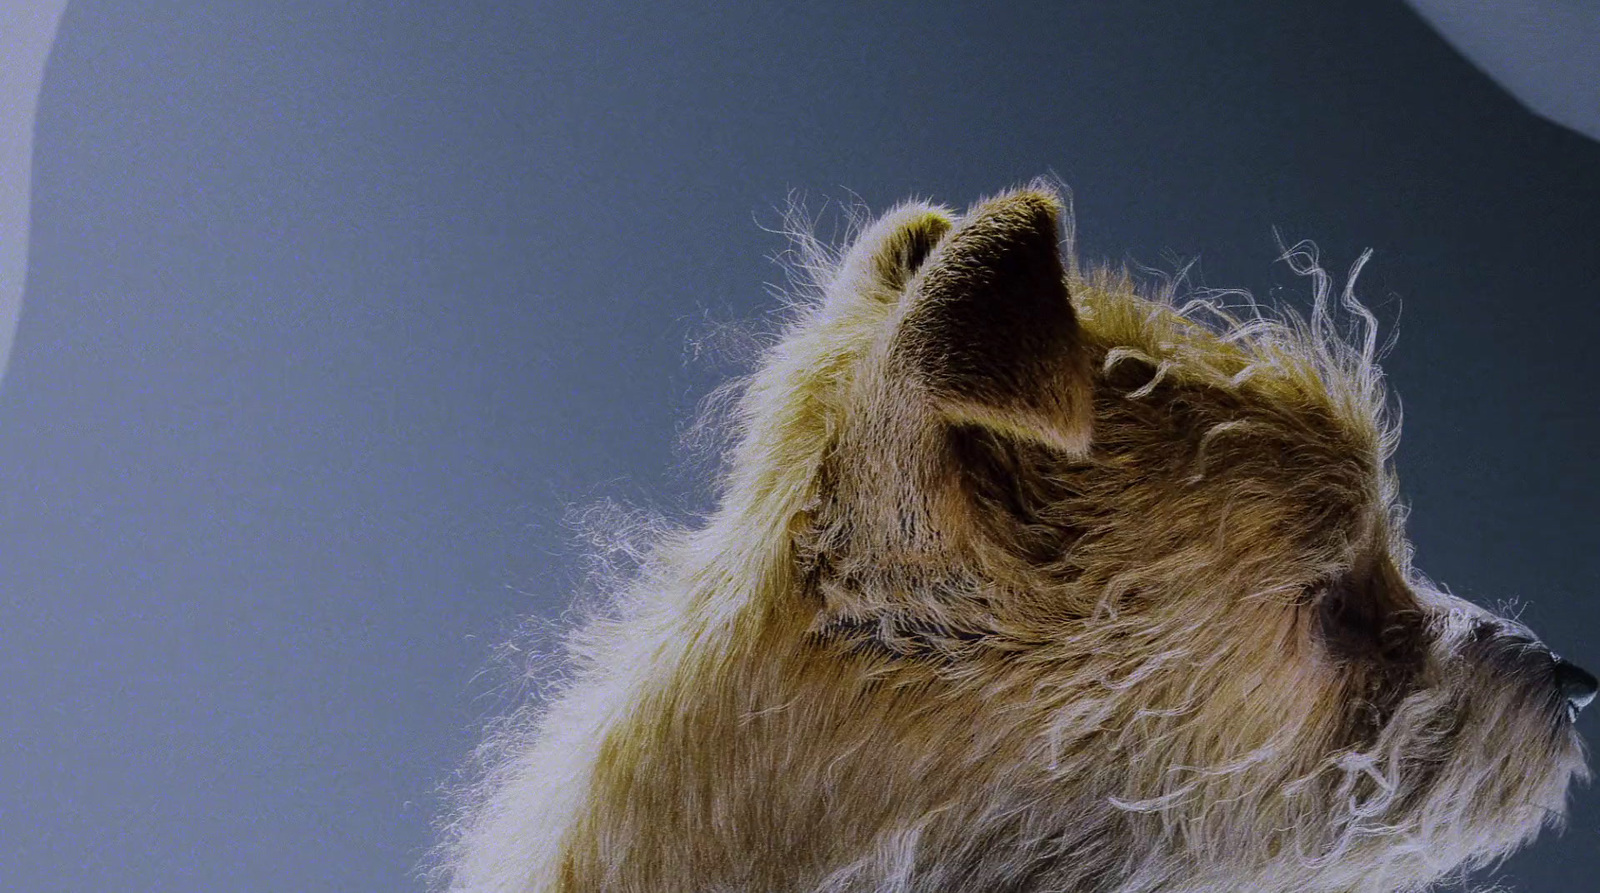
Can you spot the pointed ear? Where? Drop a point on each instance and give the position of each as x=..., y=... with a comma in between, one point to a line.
x=988, y=328
x=886, y=255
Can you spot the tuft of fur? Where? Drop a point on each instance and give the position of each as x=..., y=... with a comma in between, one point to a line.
x=1028, y=578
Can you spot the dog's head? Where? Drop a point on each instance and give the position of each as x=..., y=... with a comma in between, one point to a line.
x=1146, y=563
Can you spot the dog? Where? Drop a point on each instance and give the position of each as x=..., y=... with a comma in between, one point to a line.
x=1027, y=578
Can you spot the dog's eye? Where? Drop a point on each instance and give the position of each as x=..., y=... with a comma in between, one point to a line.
x=1350, y=616
x=1367, y=614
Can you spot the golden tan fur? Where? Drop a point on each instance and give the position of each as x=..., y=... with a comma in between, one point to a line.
x=1022, y=580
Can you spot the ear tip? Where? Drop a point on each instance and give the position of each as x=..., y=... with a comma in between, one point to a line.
x=1041, y=197
x=927, y=222
x=914, y=214
x=1036, y=206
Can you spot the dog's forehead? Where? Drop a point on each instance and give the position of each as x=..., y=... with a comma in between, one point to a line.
x=1250, y=363
x=1259, y=403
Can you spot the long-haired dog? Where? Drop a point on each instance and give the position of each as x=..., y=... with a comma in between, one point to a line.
x=1024, y=580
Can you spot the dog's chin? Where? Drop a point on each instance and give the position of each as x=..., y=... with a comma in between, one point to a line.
x=1553, y=729
x=1575, y=750
x=1552, y=740
x=1569, y=750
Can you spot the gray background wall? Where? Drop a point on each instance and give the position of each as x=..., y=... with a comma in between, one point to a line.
x=334, y=309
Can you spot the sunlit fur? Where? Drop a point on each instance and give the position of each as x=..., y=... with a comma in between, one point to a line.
x=921, y=647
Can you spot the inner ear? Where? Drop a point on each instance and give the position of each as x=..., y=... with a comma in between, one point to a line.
x=888, y=253
x=988, y=329
x=905, y=249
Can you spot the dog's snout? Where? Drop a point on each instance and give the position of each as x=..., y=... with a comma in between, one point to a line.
x=1577, y=685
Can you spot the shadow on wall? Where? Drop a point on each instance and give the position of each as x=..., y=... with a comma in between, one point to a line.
x=27, y=31
x=1546, y=53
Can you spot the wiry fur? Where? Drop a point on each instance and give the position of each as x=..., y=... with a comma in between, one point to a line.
x=1125, y=606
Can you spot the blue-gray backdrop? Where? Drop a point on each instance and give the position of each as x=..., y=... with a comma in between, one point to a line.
x=335, y=309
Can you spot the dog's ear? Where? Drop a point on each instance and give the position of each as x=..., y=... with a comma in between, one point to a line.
x=979, y=334
x=988, y=331
x=885, y=257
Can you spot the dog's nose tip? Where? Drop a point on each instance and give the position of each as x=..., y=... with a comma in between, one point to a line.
x=1577, y=685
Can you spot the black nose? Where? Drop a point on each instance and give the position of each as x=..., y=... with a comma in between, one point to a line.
x=1577, y=685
